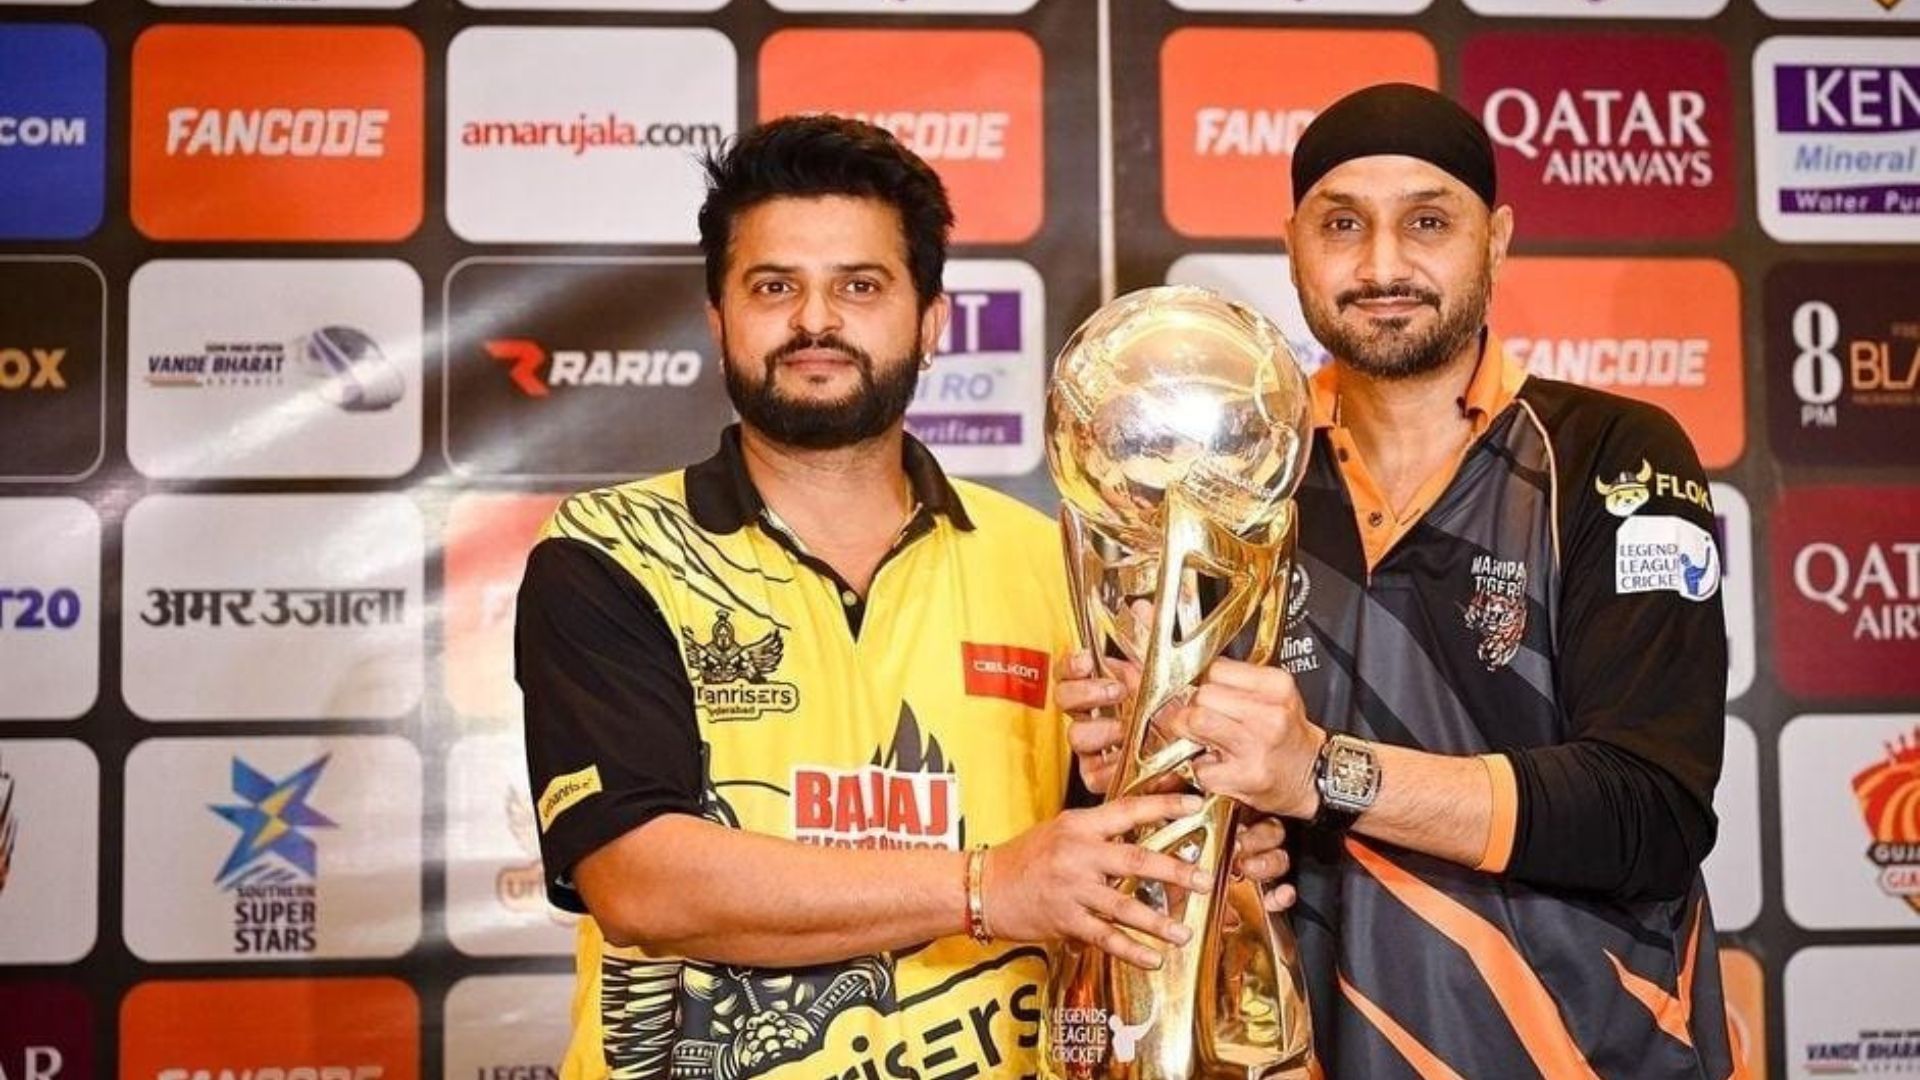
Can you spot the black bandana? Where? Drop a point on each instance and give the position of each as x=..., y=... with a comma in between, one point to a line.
x=1396, y=118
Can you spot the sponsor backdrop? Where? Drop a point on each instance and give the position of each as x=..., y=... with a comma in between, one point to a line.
x=310, y=310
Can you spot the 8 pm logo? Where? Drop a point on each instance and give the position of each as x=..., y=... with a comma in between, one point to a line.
x=1843, y=363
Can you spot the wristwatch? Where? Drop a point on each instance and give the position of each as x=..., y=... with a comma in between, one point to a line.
x=1347, y=775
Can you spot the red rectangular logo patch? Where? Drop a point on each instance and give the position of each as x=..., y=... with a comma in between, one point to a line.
x=1005, y=671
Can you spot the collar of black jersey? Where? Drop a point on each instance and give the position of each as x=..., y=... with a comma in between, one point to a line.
x=722, y=498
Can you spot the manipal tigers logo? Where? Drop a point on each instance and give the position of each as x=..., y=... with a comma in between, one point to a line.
x=1498, y=609
x=1889, y=795
x=1629, y=493
x=732, y=677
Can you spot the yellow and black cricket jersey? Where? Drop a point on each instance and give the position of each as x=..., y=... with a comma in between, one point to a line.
x=1550, y=604
x=680, y=652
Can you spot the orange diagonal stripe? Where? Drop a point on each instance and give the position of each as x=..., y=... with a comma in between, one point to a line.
x=1672, y=1012
x=1517, y=989
x=1424, y=1061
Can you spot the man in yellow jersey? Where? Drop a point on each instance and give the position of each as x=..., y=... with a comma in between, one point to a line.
x=1500, y=712
x=788, y=711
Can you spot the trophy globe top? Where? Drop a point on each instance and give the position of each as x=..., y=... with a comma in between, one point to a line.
x=1177, y=388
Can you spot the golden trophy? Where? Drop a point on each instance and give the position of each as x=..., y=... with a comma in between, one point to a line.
x=1178, y=427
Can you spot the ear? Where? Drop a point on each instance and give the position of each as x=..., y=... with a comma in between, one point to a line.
x=714, y=327
x=1499, y=235
x=933, y=323
x=1293, y=263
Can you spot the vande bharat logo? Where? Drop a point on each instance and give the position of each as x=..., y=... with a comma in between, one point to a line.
x=1889, y=794
x=274, y=864
x=732, y=677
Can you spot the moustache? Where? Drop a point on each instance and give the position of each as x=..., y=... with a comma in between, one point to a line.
x=1388, y=292
x=804, y=342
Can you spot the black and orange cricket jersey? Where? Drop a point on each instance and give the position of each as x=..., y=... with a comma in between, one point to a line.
x=1558, y=587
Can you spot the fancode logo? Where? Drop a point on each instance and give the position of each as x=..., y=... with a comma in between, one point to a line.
x=1889, y=795
x=1607, y=135
x=277, y=133
x=1669, y=335
x=360, y=1028
x=1233, y=102
x=535, y=374
x=1006, y=671
x=983, y=134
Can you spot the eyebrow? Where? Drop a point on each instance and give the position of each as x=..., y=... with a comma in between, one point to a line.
x=838, y=268
x=1435, y=194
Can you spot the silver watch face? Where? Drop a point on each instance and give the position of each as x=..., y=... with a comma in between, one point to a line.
x=1352, y=777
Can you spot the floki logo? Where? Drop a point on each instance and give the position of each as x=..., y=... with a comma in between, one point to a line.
x=907, y=797
x=342, y=365
x=1889, y=795
x=731, y=677
x=535, y=374
x=1631, y=491
x=274, y=864
x=1877, y=586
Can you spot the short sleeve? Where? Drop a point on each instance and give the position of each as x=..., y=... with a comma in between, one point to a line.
x=612, y=738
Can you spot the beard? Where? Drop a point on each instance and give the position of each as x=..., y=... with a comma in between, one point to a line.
x=877, y=404
x=1387, y=349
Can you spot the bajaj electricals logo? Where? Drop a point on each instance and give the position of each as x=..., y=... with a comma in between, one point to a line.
x=1233, y=101
x=1608, y=135
x=274, y=862
x=982, y=134
x=732, y=677
x=908, y=796
x=1889, y=795
x=277, y=133
x=1837, y=139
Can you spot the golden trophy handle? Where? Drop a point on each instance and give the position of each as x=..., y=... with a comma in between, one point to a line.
x=1231, y=1002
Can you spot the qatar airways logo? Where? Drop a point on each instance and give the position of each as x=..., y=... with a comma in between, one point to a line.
x=194, y=131
x=1875, y=586
x=1606, y=136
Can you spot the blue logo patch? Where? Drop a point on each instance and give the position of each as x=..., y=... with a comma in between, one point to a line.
x=53, y=132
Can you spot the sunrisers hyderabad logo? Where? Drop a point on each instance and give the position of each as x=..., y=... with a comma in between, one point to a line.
x=1889, y=794
x=732, y=676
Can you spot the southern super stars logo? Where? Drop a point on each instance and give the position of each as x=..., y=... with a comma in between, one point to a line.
x=274, y=864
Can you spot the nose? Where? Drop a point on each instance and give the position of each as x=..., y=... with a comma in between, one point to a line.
x=1385, y=261
x=815, y=314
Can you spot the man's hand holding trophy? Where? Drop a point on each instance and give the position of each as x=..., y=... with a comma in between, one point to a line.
x=1178, y=428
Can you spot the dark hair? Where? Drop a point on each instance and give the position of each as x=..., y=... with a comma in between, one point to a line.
x=807, y=156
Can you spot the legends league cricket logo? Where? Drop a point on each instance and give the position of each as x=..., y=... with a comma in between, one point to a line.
x=1889, y=795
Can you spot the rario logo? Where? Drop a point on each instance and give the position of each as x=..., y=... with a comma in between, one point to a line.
x=1876, y=586
x=32, y=368
x=533, y=374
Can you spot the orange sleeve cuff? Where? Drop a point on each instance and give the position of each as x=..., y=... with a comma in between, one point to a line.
x=1505, y=817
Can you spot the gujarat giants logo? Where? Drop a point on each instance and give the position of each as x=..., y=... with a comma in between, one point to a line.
x=1889, y=795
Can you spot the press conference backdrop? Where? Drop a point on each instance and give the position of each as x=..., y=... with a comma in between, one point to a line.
x=310, y=311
